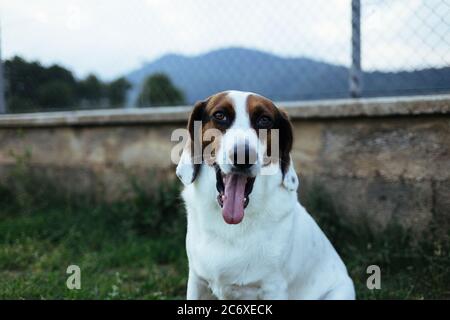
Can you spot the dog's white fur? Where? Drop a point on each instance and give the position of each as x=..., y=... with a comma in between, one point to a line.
x=276, y=252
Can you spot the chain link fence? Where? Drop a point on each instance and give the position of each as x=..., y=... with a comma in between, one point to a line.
x=289, y=50
x=405, y=47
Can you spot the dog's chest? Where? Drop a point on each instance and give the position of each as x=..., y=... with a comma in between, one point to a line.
x=232, y=278
x=232, y=271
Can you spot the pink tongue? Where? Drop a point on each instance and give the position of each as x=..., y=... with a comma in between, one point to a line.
x=233, y=202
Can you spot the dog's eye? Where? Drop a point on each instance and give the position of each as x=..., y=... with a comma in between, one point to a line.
x=264, y=122
x=220, y=116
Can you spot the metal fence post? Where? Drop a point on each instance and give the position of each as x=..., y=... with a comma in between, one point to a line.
x=355, y=70
x=2, y=81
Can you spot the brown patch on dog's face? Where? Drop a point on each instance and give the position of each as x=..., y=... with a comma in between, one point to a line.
x=216, y=112
x=218, y=103
x=264, y=114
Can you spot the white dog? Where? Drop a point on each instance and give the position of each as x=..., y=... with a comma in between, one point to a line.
x=248, y=237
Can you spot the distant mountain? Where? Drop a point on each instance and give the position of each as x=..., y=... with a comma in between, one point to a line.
x=280, y=78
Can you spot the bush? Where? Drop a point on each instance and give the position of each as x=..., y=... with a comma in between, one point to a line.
x=126, y=249
x=410, y=268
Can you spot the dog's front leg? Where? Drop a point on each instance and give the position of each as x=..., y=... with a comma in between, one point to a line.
x=197, y=289
x=275, y=288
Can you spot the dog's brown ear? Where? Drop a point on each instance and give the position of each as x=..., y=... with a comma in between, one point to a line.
x=195, y=132
x=191, y=158
x=286, y=139
x=290, y=179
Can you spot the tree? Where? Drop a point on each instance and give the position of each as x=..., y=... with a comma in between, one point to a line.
x=117, y=91
x=55, y=94
x=23, y=78
x=59, y=73
x=31, y=86
x=158, y=90
x=90, y=90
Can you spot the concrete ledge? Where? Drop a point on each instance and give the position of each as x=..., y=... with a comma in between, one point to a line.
x=370, y=107
x=345, y=108
x=97, y=117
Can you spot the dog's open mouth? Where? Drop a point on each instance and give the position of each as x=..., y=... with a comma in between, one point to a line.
x=234, y=191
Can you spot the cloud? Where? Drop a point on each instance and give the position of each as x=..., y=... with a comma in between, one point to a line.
x=112, y=37
x=398, y=36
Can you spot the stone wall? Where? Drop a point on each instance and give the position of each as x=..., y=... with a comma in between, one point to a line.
x=380, y=160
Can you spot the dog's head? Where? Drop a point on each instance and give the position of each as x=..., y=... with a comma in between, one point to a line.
x=241, y=135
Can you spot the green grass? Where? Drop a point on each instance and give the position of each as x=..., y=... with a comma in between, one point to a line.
x=135, y=249
x=128, y=250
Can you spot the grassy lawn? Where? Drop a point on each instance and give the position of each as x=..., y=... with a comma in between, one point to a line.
x=128, y=250
x=135, y=249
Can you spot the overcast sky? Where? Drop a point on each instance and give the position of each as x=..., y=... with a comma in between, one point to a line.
x=111, y=37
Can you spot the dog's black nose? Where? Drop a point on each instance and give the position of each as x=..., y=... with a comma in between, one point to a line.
x=243, y=156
